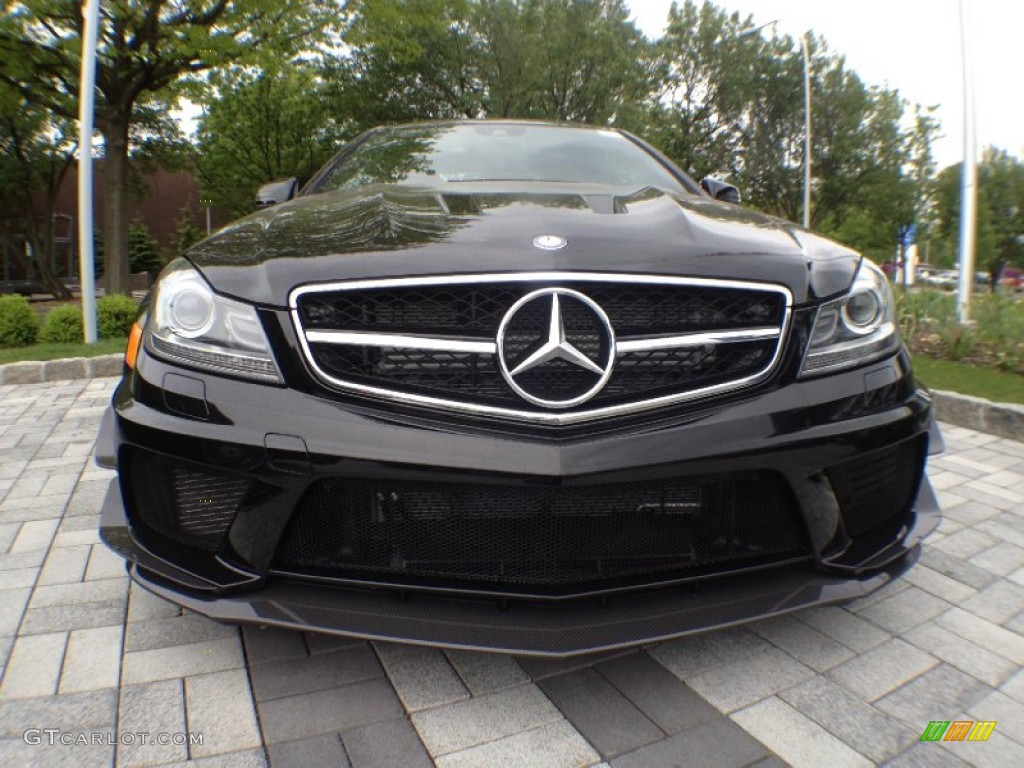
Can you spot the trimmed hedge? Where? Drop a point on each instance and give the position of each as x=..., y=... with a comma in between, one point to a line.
x=115, y=314
x=62, y=325
x=19, y=325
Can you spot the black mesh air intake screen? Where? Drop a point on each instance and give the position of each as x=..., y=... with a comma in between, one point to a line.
x=878, y=487
x=546, y=537
x=180, y=501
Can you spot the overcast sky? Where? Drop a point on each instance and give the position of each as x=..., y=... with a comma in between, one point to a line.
x=912, y=46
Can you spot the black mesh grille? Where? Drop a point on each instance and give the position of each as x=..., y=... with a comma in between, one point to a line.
x=181, y=502
x=475, y=311
x=878, y=487
x=546, y=538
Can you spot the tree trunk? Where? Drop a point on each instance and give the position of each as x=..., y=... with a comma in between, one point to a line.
x=115, y=218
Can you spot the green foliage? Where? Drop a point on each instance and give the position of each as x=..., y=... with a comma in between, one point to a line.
x=263, y=126
x=115, y=314
x=143, y=251
x=62, y=325
x=187, y=233
x=19, y=325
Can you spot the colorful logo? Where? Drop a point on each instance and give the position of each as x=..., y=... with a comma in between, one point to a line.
x=958, y=730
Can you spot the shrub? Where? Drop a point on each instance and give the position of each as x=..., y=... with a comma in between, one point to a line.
x=19, y=325
x=63, y=325
x=143, y=251
x=115, y=313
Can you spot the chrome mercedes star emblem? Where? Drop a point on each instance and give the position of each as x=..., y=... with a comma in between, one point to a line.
x=550, y=242
x=548, y=348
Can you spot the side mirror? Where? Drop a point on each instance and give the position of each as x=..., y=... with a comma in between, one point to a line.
x=275, y=192
x=721, y=190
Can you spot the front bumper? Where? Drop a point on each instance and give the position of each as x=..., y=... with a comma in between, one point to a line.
x=289, y=439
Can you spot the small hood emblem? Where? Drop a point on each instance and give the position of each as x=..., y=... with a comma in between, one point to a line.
x=550, y=242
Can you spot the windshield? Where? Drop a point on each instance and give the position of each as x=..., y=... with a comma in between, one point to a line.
x=488, y=152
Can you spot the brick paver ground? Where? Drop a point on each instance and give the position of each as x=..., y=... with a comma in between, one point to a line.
x=96, y=661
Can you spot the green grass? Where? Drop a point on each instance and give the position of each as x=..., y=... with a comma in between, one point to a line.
x=970, y=380
x=57, y=351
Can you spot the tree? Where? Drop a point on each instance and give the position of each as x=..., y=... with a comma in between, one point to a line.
x=148, y=50
x=36, y=150
x=264, y=126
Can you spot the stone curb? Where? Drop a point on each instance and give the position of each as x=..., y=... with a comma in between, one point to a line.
x=37, y=372
x=1002, y=419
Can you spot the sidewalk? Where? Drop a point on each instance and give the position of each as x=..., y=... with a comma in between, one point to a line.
x=88, y=655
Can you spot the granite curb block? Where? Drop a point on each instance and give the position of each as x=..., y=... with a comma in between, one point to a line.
x=1002, y=419
x=38, y=372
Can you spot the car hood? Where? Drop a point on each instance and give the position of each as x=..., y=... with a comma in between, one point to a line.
x=398, y=231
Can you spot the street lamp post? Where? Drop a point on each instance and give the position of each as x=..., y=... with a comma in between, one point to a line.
x=968, y=183
x=86, y=107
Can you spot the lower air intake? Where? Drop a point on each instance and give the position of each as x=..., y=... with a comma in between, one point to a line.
x=547, y=538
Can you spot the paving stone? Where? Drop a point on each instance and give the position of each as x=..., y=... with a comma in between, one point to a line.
x=957, y=568
x=938, y=584
x=84, y=592
x=16, y=752
x=7, y=533
x=984, y=633
x=969, y=513
x=1001, y=559
x=313, y=752
x=219, y=706
x=328, y=711
x=794, y=737
x=382, y=745
x=12, y=607
x=465, y=724
x=288, y=677
x=35, y=534
x=846, y=716
x=990, y=668
x=182, y=660
x=697, y=653
x=176, y=630
x=33, y=668
x=554, y=745
x=844, y=627
x=69, y=538
x=905, y=610
x=803, y=642
x=882, y=669
x=271, y=644
x=64, y=566
x=157, y=707
x=143, y=605
x=715, y=744
x=422, y=677
x=742, y=683
x=656, y=692
x=20, y=577
x=538, y=668
x=92, y=660
x=943, y=689
x=1014, y=687
x=64, y=618
x=103, y=564
x=486, y=672
x=247, y=758
x=321, y=642
x=998, y=752
x=1008, y=711
x=605, y=718
x=93, y=710
x=927, y=755
x=997, y=603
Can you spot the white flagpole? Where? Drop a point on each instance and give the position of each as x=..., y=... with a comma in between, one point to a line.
x=86, y=108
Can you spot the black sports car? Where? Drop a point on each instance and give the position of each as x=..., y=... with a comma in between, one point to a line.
x=519, y=387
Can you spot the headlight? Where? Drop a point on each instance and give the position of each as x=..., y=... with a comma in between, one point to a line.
x=192, y=325
x=855, y=329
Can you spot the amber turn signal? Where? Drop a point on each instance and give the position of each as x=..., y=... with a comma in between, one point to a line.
x=134, y=340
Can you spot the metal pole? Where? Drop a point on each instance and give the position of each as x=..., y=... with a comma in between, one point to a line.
x=807, y=131
x=968, y=182
x=86, y=107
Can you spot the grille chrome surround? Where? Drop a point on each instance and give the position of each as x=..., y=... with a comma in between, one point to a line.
x=440, y=342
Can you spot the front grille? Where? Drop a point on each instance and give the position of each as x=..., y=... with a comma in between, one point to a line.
x=348, y=332
x=179, y=501
x=542, y=538
x=878, y=487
